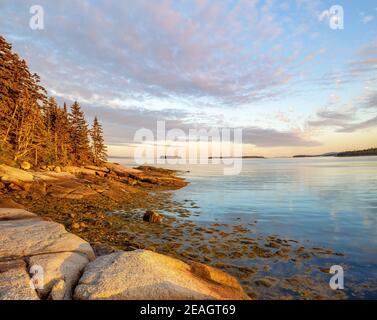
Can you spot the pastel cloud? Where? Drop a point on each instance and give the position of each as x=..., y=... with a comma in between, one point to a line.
x=207, y=49
x=134, y=62
x=370, y=123
x=136, y=118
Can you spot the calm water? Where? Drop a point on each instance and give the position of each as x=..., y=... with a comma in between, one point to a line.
x=330, y=202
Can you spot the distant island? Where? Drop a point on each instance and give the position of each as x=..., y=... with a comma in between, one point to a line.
x=355, y=153
x=242, y=157
x=329, y=154
x=367, y=152
x=170, y=157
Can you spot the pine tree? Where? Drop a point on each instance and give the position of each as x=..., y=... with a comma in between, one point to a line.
x=21, y=98
x=51, y=124
x=7, y=59
x=64, y=136
x=79, y=135
x=98, y=144
x=33, y=127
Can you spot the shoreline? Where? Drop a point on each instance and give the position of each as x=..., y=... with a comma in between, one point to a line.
x=80, y=197
x=112, y=219
x=44, y=240
x=40, y=260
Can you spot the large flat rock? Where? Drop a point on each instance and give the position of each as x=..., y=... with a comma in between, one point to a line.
x=11, y=174
x=53, y=176
x=25, y=237
x=7, y=214
x=143, y=274
x=28, y=235
x=120, y=170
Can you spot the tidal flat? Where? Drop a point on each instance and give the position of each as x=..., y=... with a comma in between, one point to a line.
x=268, y=267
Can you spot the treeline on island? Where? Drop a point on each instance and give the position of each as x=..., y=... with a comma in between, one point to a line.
x=355, y=153
x=366, y=152
x=34, y=128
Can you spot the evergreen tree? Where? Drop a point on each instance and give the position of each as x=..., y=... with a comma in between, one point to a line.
x=21, y=98
x=79, y=135
x=51, y=118
x=7, y=59
x=64, y=136
x=98, y=145
x=35, y=128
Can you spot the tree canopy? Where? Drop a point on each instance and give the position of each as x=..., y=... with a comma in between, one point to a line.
x=34, y=127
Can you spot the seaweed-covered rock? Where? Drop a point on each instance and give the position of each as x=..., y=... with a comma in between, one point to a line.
x=152, y=217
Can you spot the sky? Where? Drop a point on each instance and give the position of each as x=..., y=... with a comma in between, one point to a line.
x=275, y=69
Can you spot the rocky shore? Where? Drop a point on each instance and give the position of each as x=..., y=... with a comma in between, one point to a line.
x=70, y=269
x=83, y=198
x=119, y=211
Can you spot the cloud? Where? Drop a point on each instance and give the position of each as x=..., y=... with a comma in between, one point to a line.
x=346, y=119
x=361, y=65
x=365, y=60
x=146, y=49
x=370, y=100
x=124, y=59
x=331, y=118
x=274, y=138
x=334, y=115
x=326, y=123
x=121, y=125
x=367, y=19
x=359, y=126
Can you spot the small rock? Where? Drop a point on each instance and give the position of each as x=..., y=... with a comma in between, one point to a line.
x=75, y=225
x=25, y=165
x=58, y=169
x=324, y=270
x=152, y=217
x=265, y=282
x=273, y=244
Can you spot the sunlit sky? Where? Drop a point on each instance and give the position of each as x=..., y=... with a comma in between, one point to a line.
x=273, y=68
